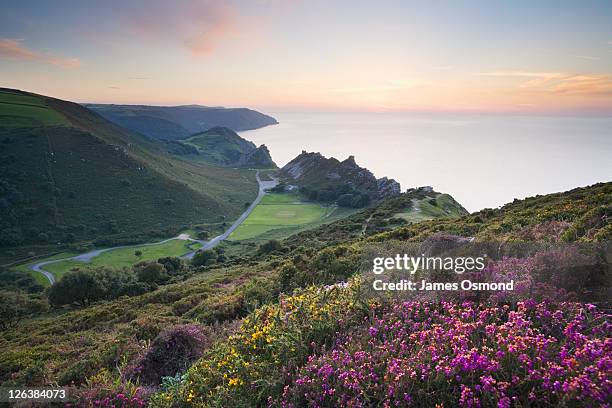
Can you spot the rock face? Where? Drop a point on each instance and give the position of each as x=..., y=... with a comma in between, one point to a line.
x=259, y=158
x=333, y=180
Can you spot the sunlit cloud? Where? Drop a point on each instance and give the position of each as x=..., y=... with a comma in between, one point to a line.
x=561, y=82
x=199, y=27
x=14, y=49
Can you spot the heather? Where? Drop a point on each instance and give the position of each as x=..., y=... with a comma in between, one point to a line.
x=171, y=352
x=423, y=353
x=283, y=319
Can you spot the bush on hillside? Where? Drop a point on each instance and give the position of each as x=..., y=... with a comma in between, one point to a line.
x=204, y=258
x=151, y=272
x=83, y=287
x=272, y=245
x=16, y=305
x=171, y=352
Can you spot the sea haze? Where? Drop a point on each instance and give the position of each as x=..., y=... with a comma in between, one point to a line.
x=482, y=160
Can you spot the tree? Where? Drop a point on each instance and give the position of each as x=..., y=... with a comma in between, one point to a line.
x=203, y=235
x=151, y=272
x=173, y=264
x=204, y=258
x=76, y=286
x=138, y=253
x=10, y=310
x=270, y=246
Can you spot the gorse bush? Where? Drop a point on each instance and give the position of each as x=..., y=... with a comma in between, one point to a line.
x=272, y=341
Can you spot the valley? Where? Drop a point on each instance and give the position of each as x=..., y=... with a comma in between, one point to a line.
x=192, y=270
x=181, y=246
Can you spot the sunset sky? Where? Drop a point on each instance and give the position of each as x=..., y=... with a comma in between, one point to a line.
x=483, y=56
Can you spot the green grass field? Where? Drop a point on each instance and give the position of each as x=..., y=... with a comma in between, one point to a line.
x=117, y=258
x=428, y=209
x=283, y=213
x=23, y=110
x=25, y=268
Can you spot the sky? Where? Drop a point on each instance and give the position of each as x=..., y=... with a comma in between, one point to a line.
x=542, y=57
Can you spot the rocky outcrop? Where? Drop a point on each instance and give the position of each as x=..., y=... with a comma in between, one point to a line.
x=329, y=178
x=388, y=187
x=225, y=147
x=259, y=158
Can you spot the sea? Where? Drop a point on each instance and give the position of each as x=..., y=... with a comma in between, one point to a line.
x=482, y=160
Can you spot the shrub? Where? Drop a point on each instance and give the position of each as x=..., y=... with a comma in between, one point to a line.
x=204, y=258
x=151, y=272
x=171, y=352
x=13, y=307
x=86, y=286
x=272, y=245
x=102, y=390
x=173, y=264
x=76, y=287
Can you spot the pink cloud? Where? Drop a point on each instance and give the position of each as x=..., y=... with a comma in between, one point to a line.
x=14, y=49
x=199, y=27
x=561, y=82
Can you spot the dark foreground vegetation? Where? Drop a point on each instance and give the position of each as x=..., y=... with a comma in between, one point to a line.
x=292, y=323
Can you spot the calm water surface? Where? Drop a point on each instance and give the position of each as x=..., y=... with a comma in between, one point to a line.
x=482, y=161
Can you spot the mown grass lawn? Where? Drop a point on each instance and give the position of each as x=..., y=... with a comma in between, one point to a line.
x=39, y=277
x=116, y=258
x=279, y=211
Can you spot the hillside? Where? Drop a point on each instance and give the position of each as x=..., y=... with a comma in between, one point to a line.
x=331, y=180
x=223, y=146
x=68, y=175
x=91, y=342
x=179, y=122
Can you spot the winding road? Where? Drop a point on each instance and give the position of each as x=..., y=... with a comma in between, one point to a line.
x=264, y=185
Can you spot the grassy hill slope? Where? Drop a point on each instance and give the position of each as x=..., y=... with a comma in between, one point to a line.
x=67, y=175
x=71, y=345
